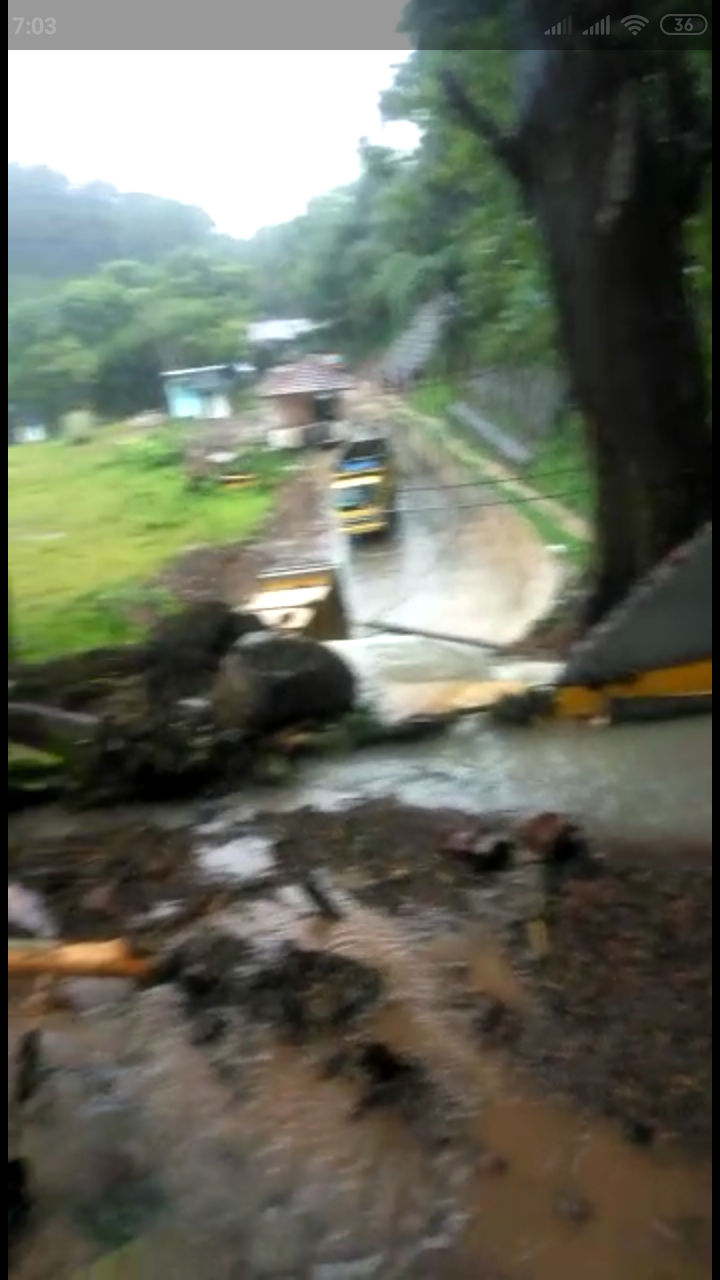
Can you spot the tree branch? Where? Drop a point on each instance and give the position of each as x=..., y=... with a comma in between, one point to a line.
x=504, y=146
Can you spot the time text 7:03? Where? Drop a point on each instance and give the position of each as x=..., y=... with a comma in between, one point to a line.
x=35, y=26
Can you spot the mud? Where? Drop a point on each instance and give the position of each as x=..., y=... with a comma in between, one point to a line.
x=133, y=876
x=525, y=1091
x=297, y=529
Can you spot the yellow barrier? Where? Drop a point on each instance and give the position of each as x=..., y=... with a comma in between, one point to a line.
x=237, y=481
x=302, y=601
x=579, y=702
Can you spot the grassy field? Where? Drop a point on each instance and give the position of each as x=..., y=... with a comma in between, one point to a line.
x=90, y=525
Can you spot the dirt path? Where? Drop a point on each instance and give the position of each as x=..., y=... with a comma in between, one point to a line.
x=376, y=404
x=295, y=532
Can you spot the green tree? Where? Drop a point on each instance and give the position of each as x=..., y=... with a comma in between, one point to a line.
x=59, y=231
x=608, y=151
x=104, y=341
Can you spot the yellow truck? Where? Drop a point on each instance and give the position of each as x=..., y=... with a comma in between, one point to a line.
x=364, y=487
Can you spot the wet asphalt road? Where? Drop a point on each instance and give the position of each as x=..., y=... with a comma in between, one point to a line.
x=476, y=572
x=484, y=574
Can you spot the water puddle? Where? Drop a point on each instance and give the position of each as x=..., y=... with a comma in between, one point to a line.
x=551, y=1195
x=577, y=1201
x=246, y=858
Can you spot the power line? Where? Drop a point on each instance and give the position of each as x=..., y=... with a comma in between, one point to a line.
x=484, y=504
x=493, y=482
x=527, y=480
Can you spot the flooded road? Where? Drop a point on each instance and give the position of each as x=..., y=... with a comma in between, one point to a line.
x=467, y=570
x=644, y=780
x=484, y=574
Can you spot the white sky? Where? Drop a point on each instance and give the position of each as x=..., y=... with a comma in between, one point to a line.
x=249, y=136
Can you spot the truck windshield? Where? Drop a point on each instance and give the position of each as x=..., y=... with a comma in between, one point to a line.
x=352, y=497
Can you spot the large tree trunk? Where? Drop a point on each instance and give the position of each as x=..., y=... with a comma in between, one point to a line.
x=610, y=196
x=607, y=204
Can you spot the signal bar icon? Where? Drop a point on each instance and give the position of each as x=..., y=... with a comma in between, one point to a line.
x=601, y=28
x=563, y=28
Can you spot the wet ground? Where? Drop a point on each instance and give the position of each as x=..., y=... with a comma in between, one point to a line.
x=643, y=780
x=478, y=572
x=475, y=571
x=529, y=1096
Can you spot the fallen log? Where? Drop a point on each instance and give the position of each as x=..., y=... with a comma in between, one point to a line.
x=67, y=735
x=130, y=751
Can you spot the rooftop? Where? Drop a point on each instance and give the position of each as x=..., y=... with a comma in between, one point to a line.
x=206, y=368
x=281, y=330
x=306, y=377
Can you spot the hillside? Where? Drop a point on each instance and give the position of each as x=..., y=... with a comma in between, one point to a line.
x=105, y=289
x=58, y=231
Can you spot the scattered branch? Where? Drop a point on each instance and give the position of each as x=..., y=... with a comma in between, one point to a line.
x=75, y=960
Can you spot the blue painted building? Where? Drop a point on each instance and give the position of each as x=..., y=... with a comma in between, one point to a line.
x=204, y=392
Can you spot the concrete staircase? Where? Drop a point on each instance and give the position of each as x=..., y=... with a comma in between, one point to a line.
x=410, y=354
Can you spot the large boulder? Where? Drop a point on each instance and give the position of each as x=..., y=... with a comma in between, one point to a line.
x=268, y=681
x=185, y=649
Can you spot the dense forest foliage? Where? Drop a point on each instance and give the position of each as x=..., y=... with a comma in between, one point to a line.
x=105, y=289
x=59, y=232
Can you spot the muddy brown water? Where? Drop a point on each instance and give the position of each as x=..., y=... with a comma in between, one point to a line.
x=573, y=1199
x=248, y=1159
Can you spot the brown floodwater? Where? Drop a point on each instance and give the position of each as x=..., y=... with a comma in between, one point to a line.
x=273, y=1169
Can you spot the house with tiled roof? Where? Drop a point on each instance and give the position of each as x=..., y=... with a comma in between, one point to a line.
x=306, y=398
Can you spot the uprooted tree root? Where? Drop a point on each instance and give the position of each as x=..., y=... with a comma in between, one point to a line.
x=211, y=698
x=139, y=721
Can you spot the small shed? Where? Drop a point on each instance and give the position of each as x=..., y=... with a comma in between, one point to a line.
x=204, y=392
x=306, y=396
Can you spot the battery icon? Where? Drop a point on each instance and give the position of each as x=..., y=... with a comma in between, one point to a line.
x=684, y=24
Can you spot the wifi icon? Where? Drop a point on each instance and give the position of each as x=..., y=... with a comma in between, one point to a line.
x=634, y=24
